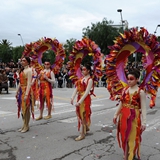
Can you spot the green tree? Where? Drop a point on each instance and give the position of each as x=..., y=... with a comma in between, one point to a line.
x=5, y=50
x=17, y=53
x=68, y=46
x=135, y=57
x=102, y=33
x=48, y=55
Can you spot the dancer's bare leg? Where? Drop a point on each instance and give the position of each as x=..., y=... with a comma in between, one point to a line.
x=26, y=120
x=41, y=113
x=83, y=130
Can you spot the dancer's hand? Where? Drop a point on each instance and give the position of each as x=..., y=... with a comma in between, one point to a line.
x=71, y=101
x=45, y=77
x=115, y=120
x=77, y=104
x=117, y=97
x=16, y=95
x=25, y=98
x=143, y=128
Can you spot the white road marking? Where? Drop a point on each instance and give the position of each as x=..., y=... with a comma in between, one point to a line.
x=5, y=113
x=96, y=113
x=8, y=98
x=100, y=99
x=151, y=125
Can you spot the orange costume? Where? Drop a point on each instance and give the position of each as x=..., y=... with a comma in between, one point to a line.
x=25, y=107
x=45, y=91
x=129, y=125
x=83, y=111
x=22, y=105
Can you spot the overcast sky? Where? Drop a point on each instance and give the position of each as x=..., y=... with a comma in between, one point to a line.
x=65, y=19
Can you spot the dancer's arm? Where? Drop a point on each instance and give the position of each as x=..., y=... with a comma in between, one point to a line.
x=117, y=113
x=73, y=95
x=34, y=77
x=17, y=91
x=118, y=110
x=29, y=80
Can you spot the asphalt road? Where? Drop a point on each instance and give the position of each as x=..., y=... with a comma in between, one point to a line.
x=54, y=139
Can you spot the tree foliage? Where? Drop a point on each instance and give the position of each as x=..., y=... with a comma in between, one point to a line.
x=17, y=53
x=5, y=50
x=102, y=33
x=68, y=46
x=49, y=55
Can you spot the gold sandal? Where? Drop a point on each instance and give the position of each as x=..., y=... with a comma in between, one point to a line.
x=48, y=117
x=79, y=138
x=25, y=130
x=39, y=118
x=20, y=129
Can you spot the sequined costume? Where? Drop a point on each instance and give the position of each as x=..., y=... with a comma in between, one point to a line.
x=25, y=107
x=83, y=111
x=45, y=90
x=129, y=124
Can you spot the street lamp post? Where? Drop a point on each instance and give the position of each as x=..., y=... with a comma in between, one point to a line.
x=156, y=29
x=120, y=10
x=21, y=39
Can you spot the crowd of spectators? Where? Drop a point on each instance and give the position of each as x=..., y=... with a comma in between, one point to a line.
x=137, y=66
x=9, y=76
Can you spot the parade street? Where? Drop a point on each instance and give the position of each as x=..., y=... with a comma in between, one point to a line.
x=53, y=139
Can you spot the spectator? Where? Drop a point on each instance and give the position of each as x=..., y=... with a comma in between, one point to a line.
x=16, y=77
x=11, y=79
x=59, y=77
x=103, y=79
x=4, y=81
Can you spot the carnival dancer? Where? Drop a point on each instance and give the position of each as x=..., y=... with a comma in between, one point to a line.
x=46, y=78
x=84, y=88
x=23, y=94
x=131, y=115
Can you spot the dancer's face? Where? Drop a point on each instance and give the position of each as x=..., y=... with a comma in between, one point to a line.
x=85, y=72
x=47, y=65
x=132, y=80
x=24, y=62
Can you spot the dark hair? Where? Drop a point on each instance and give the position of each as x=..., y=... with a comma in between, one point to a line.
x=21, y=68
x=28, y=60
x=135, y=73
x=88, y=67
x=47, y=60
